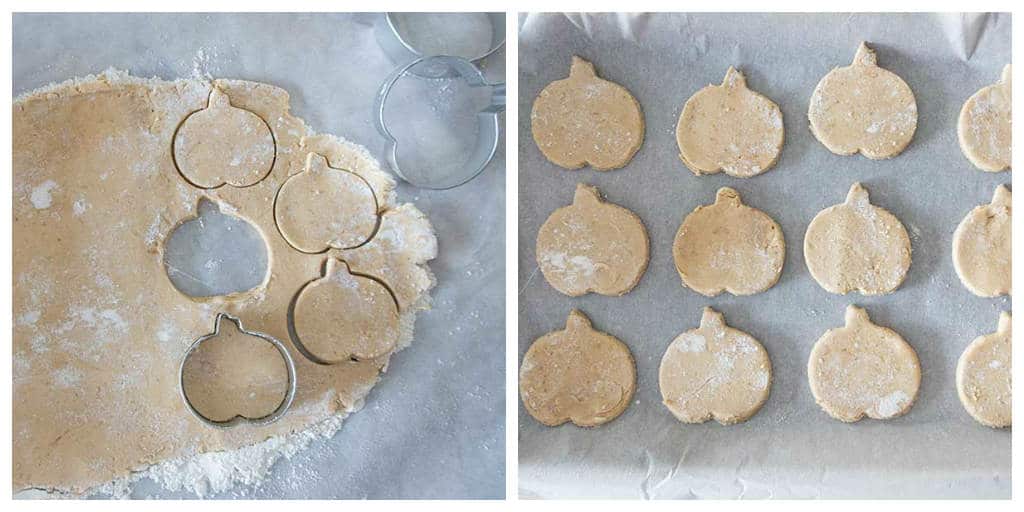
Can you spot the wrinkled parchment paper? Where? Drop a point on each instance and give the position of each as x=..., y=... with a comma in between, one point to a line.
x=790, y=449
x=434, y=426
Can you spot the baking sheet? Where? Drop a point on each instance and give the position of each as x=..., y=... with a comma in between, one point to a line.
x=434, y=426
x=790, y=449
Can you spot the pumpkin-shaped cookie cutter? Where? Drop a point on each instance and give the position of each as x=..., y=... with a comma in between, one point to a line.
x=281, y=409
x=414, y=64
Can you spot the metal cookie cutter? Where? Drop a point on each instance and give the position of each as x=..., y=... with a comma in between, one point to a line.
x=238, y=419
x=488, y=126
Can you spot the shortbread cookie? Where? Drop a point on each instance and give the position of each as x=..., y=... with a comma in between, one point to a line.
x=862, y=108
x=584, y=120
x=580, y=375
x=714, y=372
x=729, y=128
x=592, y=246
x=983, y=376
x=985, y=129
x=856, y=246
x=982, y=247
x=863, y=369
x=729, y=246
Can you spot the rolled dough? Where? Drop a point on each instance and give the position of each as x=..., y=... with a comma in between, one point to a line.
x=985, y=127
x=983, y=246
x=984, y=376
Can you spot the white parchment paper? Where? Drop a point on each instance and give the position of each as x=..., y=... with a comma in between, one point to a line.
x=790, y=449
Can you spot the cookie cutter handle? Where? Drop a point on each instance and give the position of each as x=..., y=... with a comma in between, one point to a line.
x=488, y=122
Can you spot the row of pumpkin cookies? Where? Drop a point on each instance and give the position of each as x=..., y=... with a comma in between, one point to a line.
x=596, y=246
x=588, y=377
x=861, y=108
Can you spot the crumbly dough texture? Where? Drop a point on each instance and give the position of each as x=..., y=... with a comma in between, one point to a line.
x=857, y=246
x=592, y=246
x=252, y=387
x=714, y=372
x=984, y=376
x=222, y=144
x=985, y=127
x=579, y=374
x=729, y=246
x=862, y=369
x=584, y=120
x=730, y=128
x=99, y=329
x=321, y=208
x=862, y=108
x=982, y=247
x=345, y=315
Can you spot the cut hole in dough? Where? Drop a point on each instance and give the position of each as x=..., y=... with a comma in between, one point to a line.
x=345, y=315
x=584, y=120
x=714, y=372
x=223, y=144
x=984, y=376
x=323, y=207
x=862, y=108
x=215, y=254
x=578, y=374
x=862, y=369
x=982, y=247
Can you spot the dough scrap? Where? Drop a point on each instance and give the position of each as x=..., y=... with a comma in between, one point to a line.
x=862, y=108
x=592, y=246
x=234, y=374
x=323, y=207
x=585, y=120
x=714, y=372
x=730, y=128
x=578, y=374
x=985, y=127
x=729, y=246
x=982, y=247
x=984, y=376
x=345, y=315
x=223, y=144
x=856, y=246
x=100, y=330
x=863, y=369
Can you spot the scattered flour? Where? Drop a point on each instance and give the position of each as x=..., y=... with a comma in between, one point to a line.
x=41, y=198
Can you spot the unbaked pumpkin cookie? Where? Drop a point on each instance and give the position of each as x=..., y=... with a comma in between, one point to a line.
x=984, y=374
x=982, y=247
x=714, y=372
x=862, y=108
x=578, y=374
x=729, y=128
x=592, y=246
x=984, y=129
x=729, y=246
x=857, y=246
x=862, y=369
x=584, y=120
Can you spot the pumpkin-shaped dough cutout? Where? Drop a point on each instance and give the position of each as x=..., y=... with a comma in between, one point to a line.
x=857, y=246
x=984, y=376
x=862, y=108
x=584, y=120
x=578, y=374
x=345, y=315
x=729, y=246
x=592, y=246
x=235, y=374
x=714, y=372
x=862, y=369
x=984, y=128
x=323, y=207
x=223, y=144
x=982, y=247
x=729, y=128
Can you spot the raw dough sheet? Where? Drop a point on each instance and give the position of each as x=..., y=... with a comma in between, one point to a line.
x=790, y=449
x=433, y=426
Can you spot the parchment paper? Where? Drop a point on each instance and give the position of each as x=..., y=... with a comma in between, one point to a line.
x=434, y=426
x=790, y=449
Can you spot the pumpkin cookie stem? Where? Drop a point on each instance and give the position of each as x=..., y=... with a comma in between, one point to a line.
x=856, y=315
x=865, y=56
x=586, y=194
x=1004, y=323
x=711, y=320
x=734, y=78
x=728, y=196
x=858, y=195
x=581, y=68
x=1002, y=197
